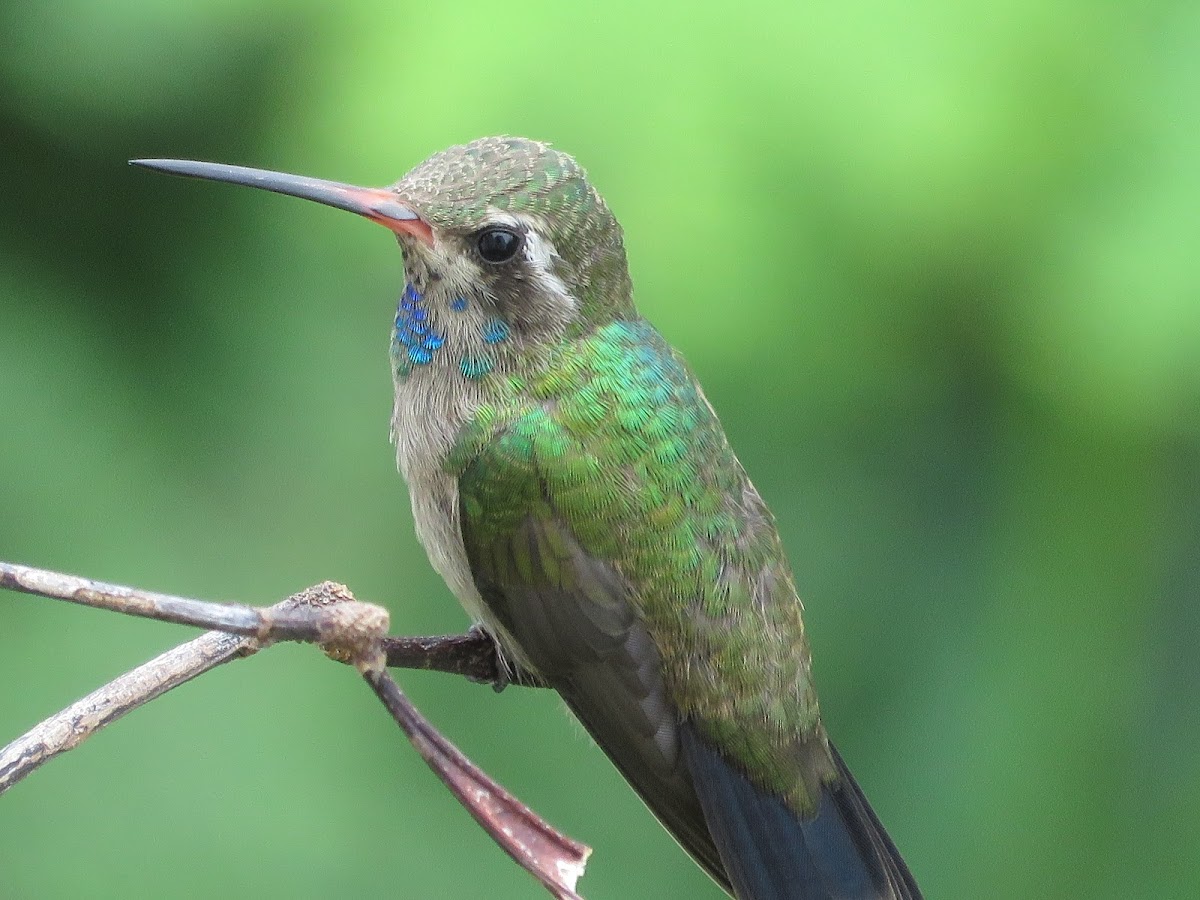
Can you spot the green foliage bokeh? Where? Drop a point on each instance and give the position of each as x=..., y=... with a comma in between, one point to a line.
x=935, y=263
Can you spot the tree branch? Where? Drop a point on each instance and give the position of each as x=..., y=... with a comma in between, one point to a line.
x=69, y=728
x=473, y=655
x=295, y=621
x=551, y=857
x=348, y=631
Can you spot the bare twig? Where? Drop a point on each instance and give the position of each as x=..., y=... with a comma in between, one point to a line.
x=349, y=631
x=472, y=655
x=69, y=728
x=282, y=622
x=550, y=856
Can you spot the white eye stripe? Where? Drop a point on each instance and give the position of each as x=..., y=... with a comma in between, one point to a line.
x=538, y=252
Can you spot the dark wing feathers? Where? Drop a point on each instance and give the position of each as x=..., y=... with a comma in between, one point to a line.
x=858, y=812
x=770, y=853
x=553, y=546
x=572, y=617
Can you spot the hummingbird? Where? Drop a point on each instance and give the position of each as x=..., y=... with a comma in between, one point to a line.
x=573, y=486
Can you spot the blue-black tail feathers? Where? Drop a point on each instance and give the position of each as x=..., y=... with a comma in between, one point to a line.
x=841, y=852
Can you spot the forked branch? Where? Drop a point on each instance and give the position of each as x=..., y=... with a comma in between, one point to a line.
x=349, y=631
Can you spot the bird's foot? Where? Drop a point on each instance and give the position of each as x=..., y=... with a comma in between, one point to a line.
x=503, y=674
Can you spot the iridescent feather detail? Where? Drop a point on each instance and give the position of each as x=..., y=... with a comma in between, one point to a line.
x=616, y=437
x=415, y=341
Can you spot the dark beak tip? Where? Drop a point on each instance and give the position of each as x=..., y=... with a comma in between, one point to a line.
x=377, y=204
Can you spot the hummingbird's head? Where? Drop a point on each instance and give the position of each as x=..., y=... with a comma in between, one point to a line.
x=515, y=225
x=503, y=233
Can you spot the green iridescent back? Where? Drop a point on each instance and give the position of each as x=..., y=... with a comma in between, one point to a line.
x=612, y=438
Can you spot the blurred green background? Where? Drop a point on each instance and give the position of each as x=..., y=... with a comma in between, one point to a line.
x=936, y=265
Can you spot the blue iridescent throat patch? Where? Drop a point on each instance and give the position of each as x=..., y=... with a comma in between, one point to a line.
x=416, y=341
x=413, y=333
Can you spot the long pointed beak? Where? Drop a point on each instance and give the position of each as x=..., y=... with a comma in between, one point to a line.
x=377, y=204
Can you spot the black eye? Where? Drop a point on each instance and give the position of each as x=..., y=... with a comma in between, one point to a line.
x=497, y=245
